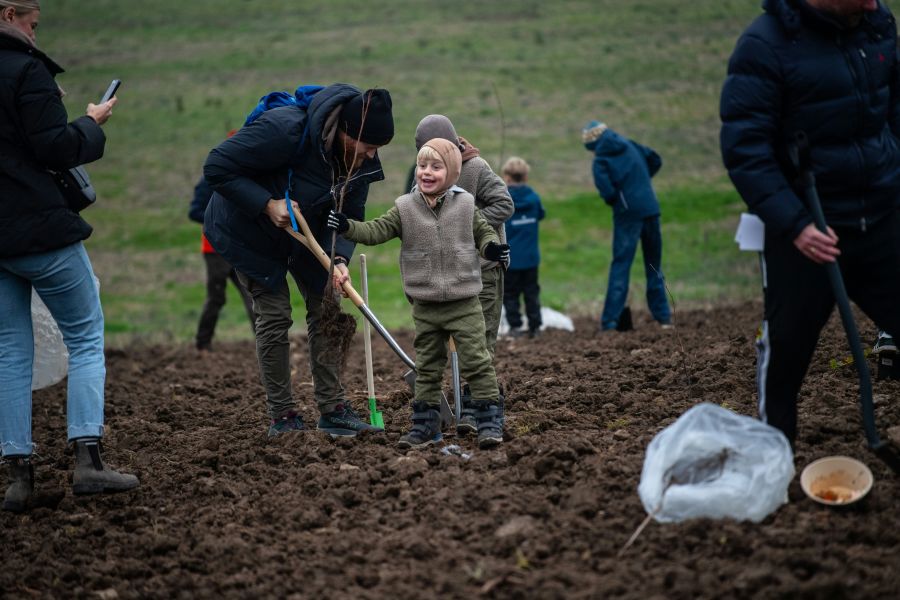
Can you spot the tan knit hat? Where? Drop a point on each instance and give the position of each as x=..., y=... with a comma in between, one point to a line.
x=592, y=131
x=451, y=156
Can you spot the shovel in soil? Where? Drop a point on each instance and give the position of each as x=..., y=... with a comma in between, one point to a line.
x=885, y=450
x=375, y=417
x=454, y=370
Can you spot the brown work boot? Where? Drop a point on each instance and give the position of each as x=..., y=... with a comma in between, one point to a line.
x=92, y=476
x=21, y=483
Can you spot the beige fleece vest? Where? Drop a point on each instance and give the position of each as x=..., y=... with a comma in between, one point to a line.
x=439, y=261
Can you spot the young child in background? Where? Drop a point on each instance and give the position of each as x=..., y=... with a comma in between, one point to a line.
x=443, y=237
x=522, y=236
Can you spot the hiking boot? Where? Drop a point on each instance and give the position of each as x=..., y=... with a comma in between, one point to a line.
x=92, y=476
x=533, y=333
x=426, y=427
x=290, y=421
x=21, y=483
x=884, y=343
x=516, y=332
x=490, y=426
x=344, y=422
x=466, y=423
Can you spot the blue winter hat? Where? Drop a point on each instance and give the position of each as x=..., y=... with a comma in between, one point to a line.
x=592, y=131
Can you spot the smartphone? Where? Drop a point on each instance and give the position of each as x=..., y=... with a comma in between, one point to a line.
x=111, y=90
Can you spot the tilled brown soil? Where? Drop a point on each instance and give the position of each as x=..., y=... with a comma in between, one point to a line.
x=224, y=512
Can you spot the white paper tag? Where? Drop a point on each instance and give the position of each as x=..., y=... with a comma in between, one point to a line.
x=751, y=233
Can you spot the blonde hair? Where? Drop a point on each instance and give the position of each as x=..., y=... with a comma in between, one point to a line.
x=429, y=153
x=516, y=168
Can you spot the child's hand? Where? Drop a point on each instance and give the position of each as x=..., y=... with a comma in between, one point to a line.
x=337, y=221
x=497, y=252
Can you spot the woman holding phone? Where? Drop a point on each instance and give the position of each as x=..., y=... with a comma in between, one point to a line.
x=41, y=248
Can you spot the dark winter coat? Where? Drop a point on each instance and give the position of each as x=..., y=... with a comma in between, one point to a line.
x=522, y=228
x=798, y=69
x=35, y=135
x=202, y=193
x=251, y=167
x=622, y=171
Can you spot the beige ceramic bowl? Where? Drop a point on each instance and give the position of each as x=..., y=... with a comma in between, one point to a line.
x=836, y=480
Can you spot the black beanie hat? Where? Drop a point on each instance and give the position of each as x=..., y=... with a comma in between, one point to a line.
x=371, y=112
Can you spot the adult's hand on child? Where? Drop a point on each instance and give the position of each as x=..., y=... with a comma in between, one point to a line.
x=278, y=214
x=497, y=252
x=337, y=221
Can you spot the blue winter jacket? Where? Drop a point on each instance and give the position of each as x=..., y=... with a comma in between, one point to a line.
x=622, y=171
x=798, y=69
x=251, y=167
x=522, y=228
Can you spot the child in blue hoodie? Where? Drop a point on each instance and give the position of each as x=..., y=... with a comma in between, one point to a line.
x=522, y=237
x=622, y=170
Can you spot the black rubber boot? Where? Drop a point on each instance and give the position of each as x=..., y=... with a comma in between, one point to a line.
x=490, y=427
x=21, y=483
x=92, y=476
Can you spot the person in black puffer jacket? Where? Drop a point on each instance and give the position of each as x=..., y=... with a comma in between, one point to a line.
x=313, y=157
x=829, y=69
x=41, y=248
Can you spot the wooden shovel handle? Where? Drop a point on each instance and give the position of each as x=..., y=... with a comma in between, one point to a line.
x=309, y=240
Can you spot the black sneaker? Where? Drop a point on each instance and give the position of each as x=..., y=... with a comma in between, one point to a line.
x=289, y=421
x=466, y=424
x=426, y=427
x=884, y=343
x=490, y=426
x=343, y=421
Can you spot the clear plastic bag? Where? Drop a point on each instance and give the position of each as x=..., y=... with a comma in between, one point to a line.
x=51, y=359
x=714, y=463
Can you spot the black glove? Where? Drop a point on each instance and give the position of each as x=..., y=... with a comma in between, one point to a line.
x=337, y=221
x=497, y=252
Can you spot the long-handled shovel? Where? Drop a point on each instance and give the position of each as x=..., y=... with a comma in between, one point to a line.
x=883, y=449
x=307, y=239
x=375, y=416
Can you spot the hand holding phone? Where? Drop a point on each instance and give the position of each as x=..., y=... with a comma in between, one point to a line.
x=111, y=90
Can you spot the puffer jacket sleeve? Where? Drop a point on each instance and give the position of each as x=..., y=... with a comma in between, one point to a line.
x=604, y=178
x=202, y=194
x=750, y=107
x=894, y=117
x=54, y=142
x=483, y=232
x=262, y=146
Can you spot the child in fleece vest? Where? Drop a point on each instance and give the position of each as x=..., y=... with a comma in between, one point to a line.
x=443, y=236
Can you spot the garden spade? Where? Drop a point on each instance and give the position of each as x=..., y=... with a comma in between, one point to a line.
x=307, y=239
x=883, y=449
x=375, y=417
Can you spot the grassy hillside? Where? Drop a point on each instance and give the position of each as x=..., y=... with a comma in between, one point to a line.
x=516, y=78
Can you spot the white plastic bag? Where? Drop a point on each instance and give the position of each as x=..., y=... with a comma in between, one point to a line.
x=714, y=463
x=51, y=359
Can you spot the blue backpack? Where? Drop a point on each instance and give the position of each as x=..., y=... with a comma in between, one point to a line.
x=301, y=98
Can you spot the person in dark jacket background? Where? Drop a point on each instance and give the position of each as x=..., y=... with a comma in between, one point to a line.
x=525, y=255
x=829, y=69
x=622, y=171
x=314, y=157
x=41, y=248
x=218, y=272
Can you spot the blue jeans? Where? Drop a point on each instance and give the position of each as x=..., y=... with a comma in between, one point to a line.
x=64, y=280
x=626, y=234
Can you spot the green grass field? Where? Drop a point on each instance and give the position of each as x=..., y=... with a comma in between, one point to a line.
x=516, y=78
